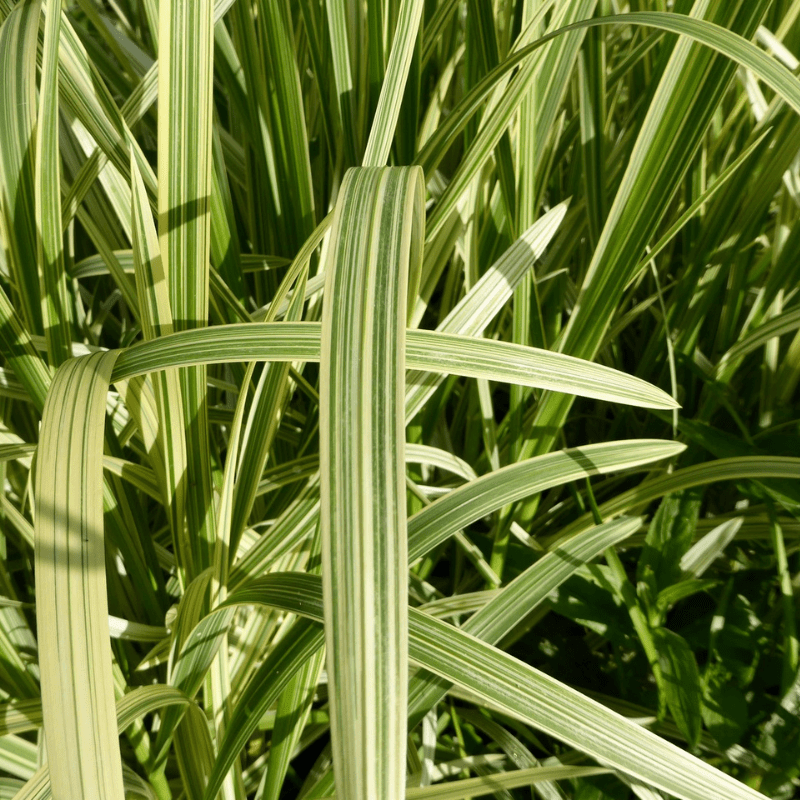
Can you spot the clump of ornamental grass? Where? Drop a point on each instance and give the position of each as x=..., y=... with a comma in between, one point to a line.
x=399, y=399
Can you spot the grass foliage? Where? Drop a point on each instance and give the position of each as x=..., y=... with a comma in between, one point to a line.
x=409, y=388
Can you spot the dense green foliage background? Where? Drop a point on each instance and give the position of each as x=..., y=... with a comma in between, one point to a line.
x=618, y=182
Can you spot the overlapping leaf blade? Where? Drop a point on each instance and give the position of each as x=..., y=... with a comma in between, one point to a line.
x=184, y=191
x=72, y=609
x=375, y=242
x=524, y=692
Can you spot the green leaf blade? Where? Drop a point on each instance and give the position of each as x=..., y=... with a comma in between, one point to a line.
x=72, y=609
x=376, y=230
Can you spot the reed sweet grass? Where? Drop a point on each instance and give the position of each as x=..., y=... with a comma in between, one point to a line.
x=398, y=398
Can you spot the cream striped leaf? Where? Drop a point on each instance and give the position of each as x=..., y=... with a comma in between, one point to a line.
x=528, y=694
x=130, y=707
x=184, y=191
x=375, y=242
x=55, y=302
x=169, y=458
x=691, y=86
x=493, y=783
x=723, y=469
x=394, y=82
x=478, y=307
x=344, y=73
x=520, y=597
x=427, y=351
x=472, y=501
x=18, y=39
x=134, y=108
x=71, y=605
x=292, y=161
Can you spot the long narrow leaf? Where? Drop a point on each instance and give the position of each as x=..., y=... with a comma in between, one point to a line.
x=374, y=243
x=71, y=608
x=55, y=303
x=524, y=692
x=184, y=191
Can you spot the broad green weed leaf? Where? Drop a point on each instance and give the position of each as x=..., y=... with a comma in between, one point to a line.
x=724, y=708
x=669, y=537
x=681, y=681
